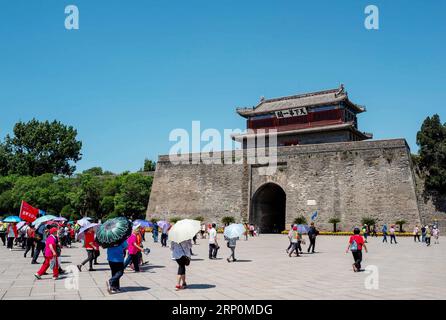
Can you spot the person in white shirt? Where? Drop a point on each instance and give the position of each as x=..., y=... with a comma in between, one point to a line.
x=181, y=254
x=213, y=244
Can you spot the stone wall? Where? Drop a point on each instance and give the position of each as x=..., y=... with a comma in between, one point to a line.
x=350, y=180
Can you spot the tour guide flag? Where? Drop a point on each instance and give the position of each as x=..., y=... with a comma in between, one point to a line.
x=314, y=216
x=28, y=212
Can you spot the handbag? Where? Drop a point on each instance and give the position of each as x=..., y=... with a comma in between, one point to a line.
x=187, y=261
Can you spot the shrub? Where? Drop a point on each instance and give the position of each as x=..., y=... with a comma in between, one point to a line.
x=369, y=221
x=227, y=220
x=199, y=218
x=334, y=221
x=300, y=220
x=401, y=223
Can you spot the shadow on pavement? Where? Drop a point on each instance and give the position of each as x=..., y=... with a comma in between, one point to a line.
x=200, y=286
x=134, y=289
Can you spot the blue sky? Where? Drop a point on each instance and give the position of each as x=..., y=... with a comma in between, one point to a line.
x=136, y=70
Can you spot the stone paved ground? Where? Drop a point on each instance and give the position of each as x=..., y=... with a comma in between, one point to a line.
x=264, y=271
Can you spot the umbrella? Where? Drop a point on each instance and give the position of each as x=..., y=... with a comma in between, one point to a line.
x=59, y=219
x=184, y=230
x=234, y=231
x=302, y=228
x=43, y=219
x=81, y=233
x=162, y=223
x=143, y=223
x=84, y=221
x=20, y=224
x=113, y=232
x=12, y=219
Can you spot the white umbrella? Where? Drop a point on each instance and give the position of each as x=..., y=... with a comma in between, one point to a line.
x=81, y=233
x=184, y=230
x=20, y=225
x=234, y=231
x=43, y=219
x=59, y=219
x=84, y=221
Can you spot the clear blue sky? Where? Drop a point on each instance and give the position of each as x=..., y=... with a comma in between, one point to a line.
x=138, y=69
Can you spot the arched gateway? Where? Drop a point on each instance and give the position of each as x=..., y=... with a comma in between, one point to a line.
x=268, y=208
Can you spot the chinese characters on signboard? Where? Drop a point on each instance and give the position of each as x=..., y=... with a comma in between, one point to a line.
x=295, y=112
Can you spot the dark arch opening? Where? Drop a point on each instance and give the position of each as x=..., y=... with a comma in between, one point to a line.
x=268, y=208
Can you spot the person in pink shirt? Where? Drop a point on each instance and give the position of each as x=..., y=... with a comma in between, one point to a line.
x=133, y=248
x=50, y=256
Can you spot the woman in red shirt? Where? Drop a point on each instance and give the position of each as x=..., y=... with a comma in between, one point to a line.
x=355, y=245
x=11, y=233
x=90, y=245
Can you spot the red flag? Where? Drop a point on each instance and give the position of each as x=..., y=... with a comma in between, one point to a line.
x=28, y=212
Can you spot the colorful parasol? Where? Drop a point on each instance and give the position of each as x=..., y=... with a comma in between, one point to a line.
x=113, y=232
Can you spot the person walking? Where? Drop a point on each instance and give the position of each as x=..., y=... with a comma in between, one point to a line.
x=355, y=245
x=290, y=236
x=374, y=233
x=312, y=234
x=155, y=232
x=164, y=235
x=50, y=256
x=133, y=249
x=384, y=231
x=115, y=258
x=416, y=234
x=3, y=233
x=90, y=246
x=203, y=231
x=30, y=241
x=392, y=234
x=231, y=243
x=295, y=242
x=423, y=234
x=213, y=243
x=436, y=235
x=428, y=236
x=246, y=231
x=40, y=236
x=181, y=254
x=365, y=232
x=12, y=234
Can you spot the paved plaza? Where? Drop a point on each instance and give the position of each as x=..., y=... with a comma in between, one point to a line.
x=407, y=270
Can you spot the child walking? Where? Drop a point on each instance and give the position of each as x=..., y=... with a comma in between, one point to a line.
x=355, y=245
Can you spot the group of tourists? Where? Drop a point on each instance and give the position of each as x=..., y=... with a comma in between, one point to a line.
x=427, y=232
x=295, y=236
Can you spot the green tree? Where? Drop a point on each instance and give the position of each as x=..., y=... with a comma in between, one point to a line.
x=334, y=221
x=95, y=171
x=432, y=153
x=400, y=223
x=149, y=165
x=369, y=221
x=174, y=220
x=199, y=218
x=228, y=220
x=133, y=195
x=36, y=148
x=300, y=220
x=4, y=160
x=87, y=196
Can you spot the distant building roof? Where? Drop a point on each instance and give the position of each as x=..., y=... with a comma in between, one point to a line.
x=326, y=97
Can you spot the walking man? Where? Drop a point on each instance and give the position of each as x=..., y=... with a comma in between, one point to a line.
x=232, y=242
x=384, y=231
x=213, y=244
x=312, y=234
x=30, y=241
x=90, y=246
x=416, y=234
x=164, y=232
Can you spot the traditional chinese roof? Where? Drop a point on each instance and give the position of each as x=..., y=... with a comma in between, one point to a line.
x=319, y=98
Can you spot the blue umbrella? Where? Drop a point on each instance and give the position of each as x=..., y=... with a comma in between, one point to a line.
x=302, y=228
x=12, y=219
x=143, y=223
x=234, y=231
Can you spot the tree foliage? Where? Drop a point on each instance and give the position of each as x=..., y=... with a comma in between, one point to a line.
x=432, y=154
x=36, y=148
x=300, y=220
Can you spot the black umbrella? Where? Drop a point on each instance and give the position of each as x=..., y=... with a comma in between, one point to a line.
x=113, y=232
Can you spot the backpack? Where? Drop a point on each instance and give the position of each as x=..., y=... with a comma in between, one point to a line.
x=354, y=246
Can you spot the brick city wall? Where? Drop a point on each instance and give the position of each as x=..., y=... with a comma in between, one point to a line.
x=349, y=180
